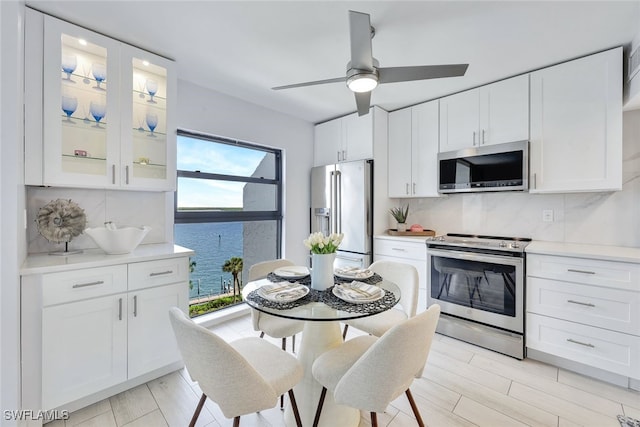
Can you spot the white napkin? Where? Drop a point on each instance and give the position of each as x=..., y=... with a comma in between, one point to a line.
x=283, y=291
x=353, y=272
x=359, y=291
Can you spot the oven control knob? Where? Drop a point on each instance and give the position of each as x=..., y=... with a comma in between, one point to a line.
x=441, y=238
x=503, y=244
x=514, y=245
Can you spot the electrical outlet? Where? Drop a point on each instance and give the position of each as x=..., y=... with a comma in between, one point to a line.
x=547, y=215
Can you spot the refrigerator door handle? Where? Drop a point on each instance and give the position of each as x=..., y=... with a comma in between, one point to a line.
x=332, y=201
x=338, y=202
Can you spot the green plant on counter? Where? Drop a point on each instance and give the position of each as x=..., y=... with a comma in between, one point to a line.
x=400, y=214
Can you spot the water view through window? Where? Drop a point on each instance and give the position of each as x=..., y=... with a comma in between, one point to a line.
x=228, y=210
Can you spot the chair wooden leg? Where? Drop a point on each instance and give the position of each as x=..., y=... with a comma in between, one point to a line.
x=414, y=407
x=196, y=414
x=294, y=406
x=316, y=419
x=284, y=344
x=344, y=332
x=374, y=419
x=262, y=334
x=236, y=422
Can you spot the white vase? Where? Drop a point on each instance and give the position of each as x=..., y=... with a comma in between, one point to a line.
x=322, y=271
x=402, y=226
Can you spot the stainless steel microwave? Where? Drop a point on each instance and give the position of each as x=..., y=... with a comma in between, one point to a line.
x=499, y=167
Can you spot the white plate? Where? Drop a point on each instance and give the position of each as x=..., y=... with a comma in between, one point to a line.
x=337, y=291
x=353, y=273
x=283, y=291
x=292, y=272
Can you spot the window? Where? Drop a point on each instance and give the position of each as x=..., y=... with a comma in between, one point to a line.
x=228, y=204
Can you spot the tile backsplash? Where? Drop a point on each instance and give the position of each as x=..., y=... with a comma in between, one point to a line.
x=123, y=208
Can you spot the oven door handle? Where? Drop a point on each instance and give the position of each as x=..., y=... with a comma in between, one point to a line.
x=474, y=256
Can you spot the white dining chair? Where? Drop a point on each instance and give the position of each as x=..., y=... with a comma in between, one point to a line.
x=405, y=276
x=274, y=326
x=243, y=376
x=368, y=373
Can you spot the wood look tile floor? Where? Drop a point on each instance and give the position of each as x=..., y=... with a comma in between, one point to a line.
x=462, y=385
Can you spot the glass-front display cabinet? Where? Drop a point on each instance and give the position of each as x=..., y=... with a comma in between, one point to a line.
x=106, y=111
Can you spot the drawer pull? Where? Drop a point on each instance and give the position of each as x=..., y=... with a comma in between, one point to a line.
x=82, y=285
x=398, y=249
x=120, y=309
x=135, y=306
x=161, y=273
x=588, y=304
x=572, y=270
x=586, y=344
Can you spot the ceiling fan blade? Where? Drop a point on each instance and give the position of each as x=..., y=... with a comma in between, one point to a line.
x=420, y=72
x=317, y=82
x=360, y=35
x=363, y=100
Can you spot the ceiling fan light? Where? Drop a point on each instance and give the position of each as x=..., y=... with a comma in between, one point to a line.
x=362, y=82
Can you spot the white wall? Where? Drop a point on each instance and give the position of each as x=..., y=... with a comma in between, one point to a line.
x=206, y=111
x=12, y=246
x=594, y=218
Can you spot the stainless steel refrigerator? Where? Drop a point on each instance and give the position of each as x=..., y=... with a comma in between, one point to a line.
x=342, y=202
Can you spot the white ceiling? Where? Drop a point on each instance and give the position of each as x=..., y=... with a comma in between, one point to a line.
x=244, y=48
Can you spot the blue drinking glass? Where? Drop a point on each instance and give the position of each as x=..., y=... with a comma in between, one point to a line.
x=69, y=106
x=98, y=110
x=152, y=122
x=99, y=72
x=152, y=89
x=69, y=64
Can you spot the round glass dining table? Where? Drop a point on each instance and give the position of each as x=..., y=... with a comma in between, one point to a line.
x=322, y=312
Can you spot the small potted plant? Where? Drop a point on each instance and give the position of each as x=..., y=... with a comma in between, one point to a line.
x=400, y=215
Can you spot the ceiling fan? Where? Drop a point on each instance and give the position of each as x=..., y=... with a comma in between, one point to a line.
x=364, y=73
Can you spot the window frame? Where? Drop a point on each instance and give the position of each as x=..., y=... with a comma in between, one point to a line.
x=186, y=217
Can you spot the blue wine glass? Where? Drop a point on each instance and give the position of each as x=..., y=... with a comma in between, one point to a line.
x=99, y=72
x=152, y=89
x=69, y=64
x=69, y=106
x=152, y=122
x=98, y=110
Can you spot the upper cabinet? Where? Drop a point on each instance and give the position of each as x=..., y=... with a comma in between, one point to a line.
x=99, y=113
x=413, y=141
x=491, y=114
x=576, y=125
x=344, y=139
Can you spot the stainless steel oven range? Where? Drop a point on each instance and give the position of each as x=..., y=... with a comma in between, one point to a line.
x=479, y=283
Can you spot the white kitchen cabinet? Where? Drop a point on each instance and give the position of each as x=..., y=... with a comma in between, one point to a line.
x=344, y=139
x=413, y=151
x=98, y=113
x=576, y=125
x=91, y=331
x=491, y=114
x=84, y=346
x=585, y=310
x=408, y=250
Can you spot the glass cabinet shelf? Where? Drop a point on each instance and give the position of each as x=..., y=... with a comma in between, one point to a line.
x=83, y=158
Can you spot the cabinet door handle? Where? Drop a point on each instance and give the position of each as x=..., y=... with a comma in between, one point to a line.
x=398, y=249
x=82, y=285
x=414, y=188
x=113, y=174
x=344, y=155
x=161, y=273
x=586, y=344
x=474, y=137
x=135, y=306
x=483, y=141
x=406, y=188
x=126, y=173
x=119, y=308
x=535, y=182
x=572, y=270
x=588, y=304
x=338, y=152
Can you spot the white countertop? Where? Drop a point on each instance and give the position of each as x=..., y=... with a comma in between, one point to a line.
x=89, y=258
x=609, y=253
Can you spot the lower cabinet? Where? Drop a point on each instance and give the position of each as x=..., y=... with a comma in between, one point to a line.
x=585, y=310
x=86, y=331
x=409, y=250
